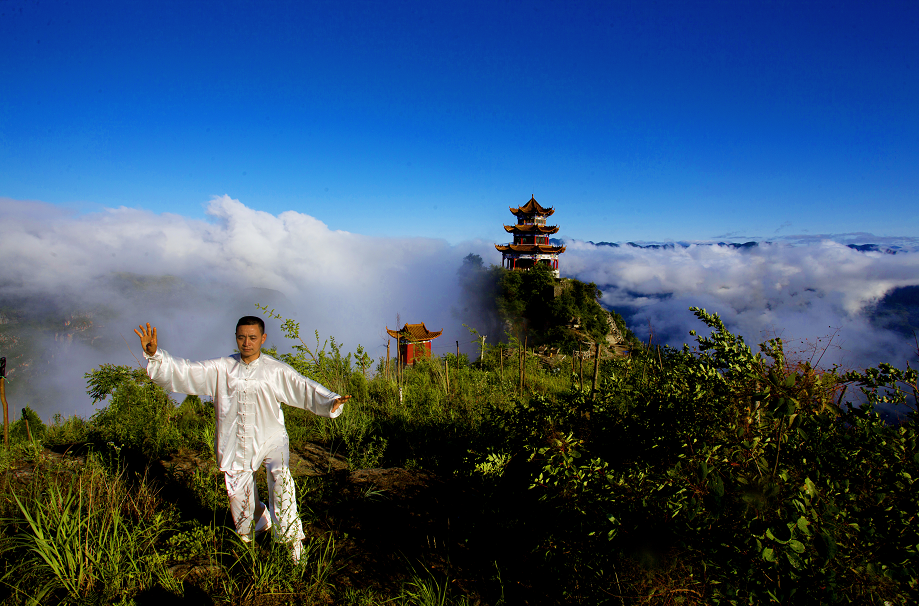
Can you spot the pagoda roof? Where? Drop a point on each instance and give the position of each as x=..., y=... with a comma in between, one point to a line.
x=527, y=229
x=414, y=333
x=529, y=248
x=532, y=208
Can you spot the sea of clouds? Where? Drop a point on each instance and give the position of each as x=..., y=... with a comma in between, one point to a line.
x=817, y=293
x=193, y=279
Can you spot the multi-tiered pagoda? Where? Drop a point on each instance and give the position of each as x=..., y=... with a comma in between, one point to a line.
x=531, y=239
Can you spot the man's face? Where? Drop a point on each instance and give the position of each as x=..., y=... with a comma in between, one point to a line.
x=249, y=341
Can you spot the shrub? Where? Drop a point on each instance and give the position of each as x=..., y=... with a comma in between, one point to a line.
x=139, y=414
x=744, y=469
x=28, y=428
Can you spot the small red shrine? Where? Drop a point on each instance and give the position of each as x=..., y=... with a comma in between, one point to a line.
x=414, y=341
x=531, y=239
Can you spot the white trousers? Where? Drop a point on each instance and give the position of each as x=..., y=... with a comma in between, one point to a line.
x=282, y=498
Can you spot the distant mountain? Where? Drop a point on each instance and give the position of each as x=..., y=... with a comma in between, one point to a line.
x=891, y=249
x=875, y=248
x=898, y=311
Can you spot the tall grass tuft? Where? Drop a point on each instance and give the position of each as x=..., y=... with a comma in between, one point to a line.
x=89, y=535
x=268, y=570
x=427, y=589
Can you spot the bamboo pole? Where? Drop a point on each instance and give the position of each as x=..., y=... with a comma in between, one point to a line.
x=388, y=341
x=581, y=356
x=6, y=408
x=447, y=372
x=6, y=413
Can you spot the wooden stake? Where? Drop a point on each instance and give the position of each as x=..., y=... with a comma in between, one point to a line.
x=388, y=341
x=581, y=356
x=593, y=386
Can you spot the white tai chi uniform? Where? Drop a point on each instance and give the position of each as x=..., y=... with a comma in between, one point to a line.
x=250, y=427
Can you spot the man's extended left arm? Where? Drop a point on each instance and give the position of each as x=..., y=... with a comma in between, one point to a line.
x=299, y=391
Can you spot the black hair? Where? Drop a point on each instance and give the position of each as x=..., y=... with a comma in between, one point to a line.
x=251, y=321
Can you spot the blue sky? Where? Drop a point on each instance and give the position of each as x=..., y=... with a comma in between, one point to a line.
x=636, y=120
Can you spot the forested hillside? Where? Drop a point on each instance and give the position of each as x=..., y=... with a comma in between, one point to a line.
x=536, y=307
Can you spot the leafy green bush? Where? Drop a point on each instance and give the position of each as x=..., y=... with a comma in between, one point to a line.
x=745, y=469
x=139, y=414
x=66, y=432
x=28, y=428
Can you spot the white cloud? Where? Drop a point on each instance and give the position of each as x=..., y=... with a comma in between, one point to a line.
x=350, y=286
x=803, y=291
x=346, y=285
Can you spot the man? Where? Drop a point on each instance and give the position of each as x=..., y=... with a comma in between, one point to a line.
x=248, y=388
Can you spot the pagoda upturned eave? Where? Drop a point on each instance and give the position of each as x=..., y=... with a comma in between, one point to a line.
x=414, y=333
x=532, y=208
x=530, y=248
x=528, y=229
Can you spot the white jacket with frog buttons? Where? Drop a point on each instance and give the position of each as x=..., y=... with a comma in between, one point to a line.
x=247, y=400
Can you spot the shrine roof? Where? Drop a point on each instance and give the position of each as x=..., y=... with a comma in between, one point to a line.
x=526, y=229
x=529, y=248
x=532, y=208
x=414, y=333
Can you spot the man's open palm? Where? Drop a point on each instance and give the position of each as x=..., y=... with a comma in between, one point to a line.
x=337, y=404
x=147, y=338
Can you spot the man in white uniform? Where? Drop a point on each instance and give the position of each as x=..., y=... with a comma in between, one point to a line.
x=248, y=388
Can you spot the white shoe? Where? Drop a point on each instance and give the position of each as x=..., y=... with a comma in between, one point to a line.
x=264, y=522
x=262, y=525
x=296, y=550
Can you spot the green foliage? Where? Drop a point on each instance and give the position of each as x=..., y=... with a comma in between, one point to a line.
x=545, y=308
x=81, y=534
x=426, y=588
x=713, y=474
x=139, y=413
x=28, y=428
x=79, y=549
x=323, y=362
x=207, y=485
x=745, y=464
x=197, y=539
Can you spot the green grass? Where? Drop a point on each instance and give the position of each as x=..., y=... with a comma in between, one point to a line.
x=78, y=532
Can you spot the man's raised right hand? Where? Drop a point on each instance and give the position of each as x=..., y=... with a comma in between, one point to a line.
x=147, y=338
